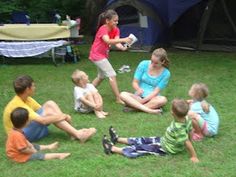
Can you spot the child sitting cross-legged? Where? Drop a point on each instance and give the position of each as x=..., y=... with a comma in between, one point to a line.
x=86, y=96
x=175, y=139
x=19, y=149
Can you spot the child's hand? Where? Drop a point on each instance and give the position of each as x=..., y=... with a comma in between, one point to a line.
x=194, y=159
x=97, y=107
x=205, y=106
x=68, y=118
x=128, y=40
x=143, y=101
x=189, y=101
x=139, y=92
x=63, y=117
x=124, y=47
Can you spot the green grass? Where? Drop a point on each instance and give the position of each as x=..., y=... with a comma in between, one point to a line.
x=217, y=155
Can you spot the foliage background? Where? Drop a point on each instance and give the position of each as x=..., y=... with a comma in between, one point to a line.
x=41, y=11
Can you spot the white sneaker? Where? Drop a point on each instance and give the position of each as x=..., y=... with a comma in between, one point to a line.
x=124, y=68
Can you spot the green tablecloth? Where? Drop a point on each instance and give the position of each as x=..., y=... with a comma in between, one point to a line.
x=32, y=32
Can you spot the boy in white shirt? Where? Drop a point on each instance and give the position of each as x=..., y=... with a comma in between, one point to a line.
x=86, y=96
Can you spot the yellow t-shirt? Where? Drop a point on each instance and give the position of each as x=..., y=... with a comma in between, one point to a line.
x=30, y=104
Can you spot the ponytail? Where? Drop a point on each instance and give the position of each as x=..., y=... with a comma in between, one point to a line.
x=101, y=20
x=108, y=14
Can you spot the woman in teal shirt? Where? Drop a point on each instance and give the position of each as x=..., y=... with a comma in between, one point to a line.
x=151, y=76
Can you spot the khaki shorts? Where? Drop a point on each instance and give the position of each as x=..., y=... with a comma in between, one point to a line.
x=104, y=68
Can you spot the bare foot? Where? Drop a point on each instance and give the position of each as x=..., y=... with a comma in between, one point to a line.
x=53, y=145
x=156, y=111
x=119, y=101
x=100, y=115
x=105, y=113
x=63, y=155
x=85, y=134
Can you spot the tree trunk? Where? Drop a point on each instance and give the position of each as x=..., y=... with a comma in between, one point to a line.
x=93, y=9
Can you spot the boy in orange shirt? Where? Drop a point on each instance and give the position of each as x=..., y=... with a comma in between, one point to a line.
x=19, y=149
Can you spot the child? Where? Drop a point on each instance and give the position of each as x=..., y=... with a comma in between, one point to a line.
x=150, y=78
x=19, y=149
x=205, y=119
x=86, y=96
x=107, y=34
x=40, y=116
x=175, y=139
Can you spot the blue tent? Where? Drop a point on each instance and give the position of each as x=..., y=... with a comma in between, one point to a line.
x=20, y=17
x=149, y=20
x=192, y=24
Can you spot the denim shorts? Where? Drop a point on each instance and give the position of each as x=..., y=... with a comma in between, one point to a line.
x=35, y=131
x=37, y=156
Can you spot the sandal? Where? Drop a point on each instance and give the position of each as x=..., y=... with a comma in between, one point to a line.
x=107, y=145
x=113, y=135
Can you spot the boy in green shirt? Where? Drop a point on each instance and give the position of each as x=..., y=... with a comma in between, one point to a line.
x=175, y=139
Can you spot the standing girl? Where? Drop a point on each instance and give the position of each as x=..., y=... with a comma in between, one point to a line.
x=107, y=34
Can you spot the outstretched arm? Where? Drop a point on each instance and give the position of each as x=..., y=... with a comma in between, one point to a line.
x=192, y=153
x=117, y=40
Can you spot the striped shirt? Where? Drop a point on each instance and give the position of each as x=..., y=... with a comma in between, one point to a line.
x=175, y=136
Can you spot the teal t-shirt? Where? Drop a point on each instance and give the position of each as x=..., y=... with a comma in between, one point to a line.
x=175, y=136
x=147, y=82
x=211, y=117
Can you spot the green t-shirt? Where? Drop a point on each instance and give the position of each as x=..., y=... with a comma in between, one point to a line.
x=175, y=136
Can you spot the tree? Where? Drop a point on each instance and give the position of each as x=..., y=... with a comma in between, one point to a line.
x=93, y=9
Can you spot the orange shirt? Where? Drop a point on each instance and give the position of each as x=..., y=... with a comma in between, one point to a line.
x=16, y=142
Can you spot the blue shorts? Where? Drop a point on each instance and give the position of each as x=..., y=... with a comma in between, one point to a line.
x=37, y=156
x=35, y=131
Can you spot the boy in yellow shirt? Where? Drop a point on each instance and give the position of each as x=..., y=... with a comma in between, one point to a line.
x=40, y=116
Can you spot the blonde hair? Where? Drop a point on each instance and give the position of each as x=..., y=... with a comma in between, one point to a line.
x=200, y=91
x=162, y=55
x=77, y=76
x=180, y=107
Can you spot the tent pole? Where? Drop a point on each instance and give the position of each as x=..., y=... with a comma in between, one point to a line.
x=204, y=21
x=228, y=15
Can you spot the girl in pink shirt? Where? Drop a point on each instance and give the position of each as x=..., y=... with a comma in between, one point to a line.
x=107, y=34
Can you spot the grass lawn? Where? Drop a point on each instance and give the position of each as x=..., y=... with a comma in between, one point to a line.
x=217, y=155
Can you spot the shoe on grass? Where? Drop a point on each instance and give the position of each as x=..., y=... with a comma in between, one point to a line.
x=107, y=145
x=124, y=68
x=113, y=135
